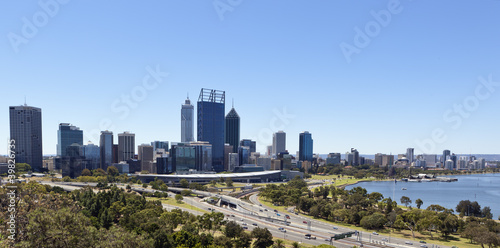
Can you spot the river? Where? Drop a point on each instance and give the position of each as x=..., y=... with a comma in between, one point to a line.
x=483, y=188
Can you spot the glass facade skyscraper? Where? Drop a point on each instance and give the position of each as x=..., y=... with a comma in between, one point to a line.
x=305, y=146
x=183, y=157
x=279, y=143
x=68, y=135
x=251, y=144
x=187, y=127
x=91, y=153
x=106, y=149
x=26, y=130
x=211, y=105
x=232, y=136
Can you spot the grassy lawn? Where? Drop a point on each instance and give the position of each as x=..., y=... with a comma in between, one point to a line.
x=173, y=202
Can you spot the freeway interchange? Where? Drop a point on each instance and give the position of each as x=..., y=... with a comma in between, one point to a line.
x=294, y=227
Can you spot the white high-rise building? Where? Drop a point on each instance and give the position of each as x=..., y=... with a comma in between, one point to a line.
x=279, y=142
x=126, y=146
x=187, y=128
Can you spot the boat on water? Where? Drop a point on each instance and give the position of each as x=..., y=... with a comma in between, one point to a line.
x=403, y=188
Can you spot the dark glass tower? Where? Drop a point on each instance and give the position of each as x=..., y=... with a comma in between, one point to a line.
x=233, y=129
x=26, y=130
x=305, y=146
x=68, y=135
x=211, y=105
x=106, y=146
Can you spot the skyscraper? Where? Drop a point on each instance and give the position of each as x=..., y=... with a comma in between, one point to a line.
x=26, y=130
x=66, y=136
x=250, y=143
x=446, y=153
x=410, y=154
x=305, y=146
x=233, y=129
x=160, y=145
x=279, y=143
x=211, y=123
x=92, y=154
x=146, y=155
x=126, y=146
x=106, y=147
x=187, y=127
x=355, y=156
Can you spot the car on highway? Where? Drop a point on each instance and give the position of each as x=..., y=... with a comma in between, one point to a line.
x=335, y=228
x=244, y=223
x=209, y=209
x=261, y=210
x=327, y=240
x=275, y=211
x=423, y=246
x=408, y=243
x=385, y=240
x=255, y=224
x=423, y=242
x=375, y=233
x=265, y=209
x=245, y=227
x=232, y=215
x=241, y=219
x=305, y=222
x=287, y=216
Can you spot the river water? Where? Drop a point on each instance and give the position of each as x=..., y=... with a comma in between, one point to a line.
x=483, y=188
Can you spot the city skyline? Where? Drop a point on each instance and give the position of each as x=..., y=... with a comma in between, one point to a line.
x=426, y=79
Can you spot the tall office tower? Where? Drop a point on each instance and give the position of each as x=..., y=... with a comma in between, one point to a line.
x=349, y=157
x=305, y=146
x=233, y=161
x=203, y=155
x=355, y=156
x=232, y=129
x=160, y=145
x=244, y=154
x=446, y=153
x=146, y=155
x=269, y=150
x=250, y=143
x=227, y=149
x=115, y=154
x=211, y=105
x=106, y=148
x=410, y=154
x=26, y=130
x=279, y=143
x=453, y=157
x=378, y=158
x=126, y=146
x=187, y=127
x=92, y=154
x=66, y=136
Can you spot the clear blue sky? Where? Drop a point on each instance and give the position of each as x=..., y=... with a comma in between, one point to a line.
x=268, y=56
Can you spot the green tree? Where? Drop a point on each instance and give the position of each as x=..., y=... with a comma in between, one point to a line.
x=184, y=183
x=186, y=192
x=486, y=213
x=229, y=182
x=263, y=238
x=213, y=183
x=98, y=172
x=295, y=244
x=374, y=221
x=179, y=198
x=279, y=244
x=233, y=230
x=405, y=200
x=113, y=171
x=86, y=172
x=419, y=203
x=221, y=180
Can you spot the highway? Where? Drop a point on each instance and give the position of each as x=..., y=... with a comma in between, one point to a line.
x=248, y=214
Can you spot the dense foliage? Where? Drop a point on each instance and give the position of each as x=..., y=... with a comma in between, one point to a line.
x=49, y=217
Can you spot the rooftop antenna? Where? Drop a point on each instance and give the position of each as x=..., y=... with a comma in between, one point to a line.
x=233, y=102
x=25, y=100
x=188, y=95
